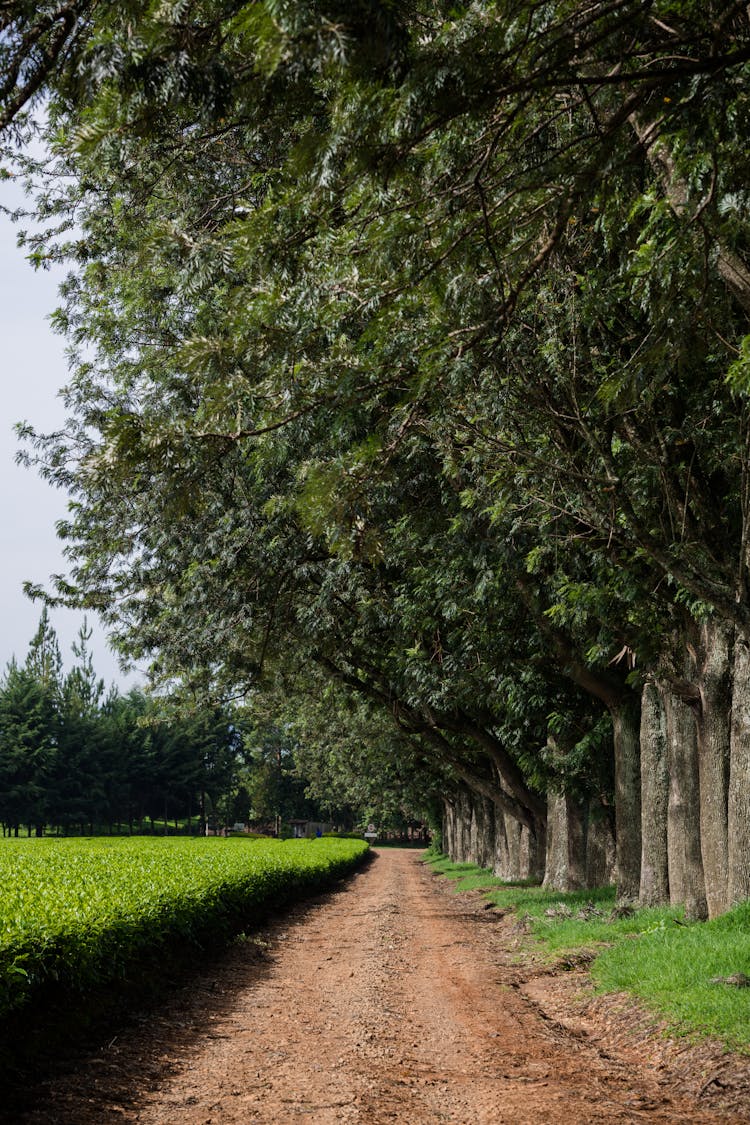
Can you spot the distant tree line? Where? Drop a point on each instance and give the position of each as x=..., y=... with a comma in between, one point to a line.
x=74, y=757
x=77, y=758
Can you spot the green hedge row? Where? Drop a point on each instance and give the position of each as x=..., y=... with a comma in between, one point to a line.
x=81, y=913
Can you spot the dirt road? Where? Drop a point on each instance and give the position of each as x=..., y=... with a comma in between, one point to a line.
x=391, y=999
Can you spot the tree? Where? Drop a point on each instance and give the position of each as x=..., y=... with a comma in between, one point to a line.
x=357, y=765
x=77, y=793
x=43, y=660
x=29, y=730
x=27, y=734
x=411, y=333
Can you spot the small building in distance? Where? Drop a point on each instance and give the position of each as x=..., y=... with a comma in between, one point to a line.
x=307, y=829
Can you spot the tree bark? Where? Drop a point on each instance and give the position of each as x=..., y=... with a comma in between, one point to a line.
x=482, y=831
x=501, y=861
x=533, y=851
x=713, y=731
x=474, y=818
x=565, y=867
x=464, y=825
x=470, y=828
x=513, y=837
x=556, y=868
x=739, y=777
x=601, y=867
x=449, y=826
x=686, y=879
x=626, y=731
x=488, y=834
x=654, y=886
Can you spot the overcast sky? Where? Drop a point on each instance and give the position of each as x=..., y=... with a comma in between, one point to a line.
x=33, y=370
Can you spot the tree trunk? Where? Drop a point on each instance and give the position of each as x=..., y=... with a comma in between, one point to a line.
x=578, y=823
x=565, y=868
x=713, y=731
x=654, y=887
x=475, y=830
x=533, y=850
x=556, y=866
x=464, y=825
x=626, y=731
x=448, y=826
x=513, y=836
x=457, y=836
x=601, y=860
x=686, y=880
x=487, y=838
x=460, y=836
x=739, y=777
x=501, y=864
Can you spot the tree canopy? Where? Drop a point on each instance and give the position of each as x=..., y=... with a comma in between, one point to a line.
x=410, y=350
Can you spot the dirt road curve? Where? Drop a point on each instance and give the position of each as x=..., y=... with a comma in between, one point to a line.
x=390, y=1000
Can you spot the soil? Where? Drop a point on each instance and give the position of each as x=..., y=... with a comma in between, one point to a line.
x=392, y=998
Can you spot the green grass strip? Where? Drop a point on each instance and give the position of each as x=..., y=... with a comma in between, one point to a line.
x=678, y=971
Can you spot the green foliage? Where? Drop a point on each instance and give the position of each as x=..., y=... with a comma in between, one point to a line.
x=355, y=763
x=738, y=375
x=276, y=789
x=399, y=341
x=82, y=913
x=27, y=746
x=72, y=758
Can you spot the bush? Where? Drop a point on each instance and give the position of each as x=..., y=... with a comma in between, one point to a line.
x=78, y=913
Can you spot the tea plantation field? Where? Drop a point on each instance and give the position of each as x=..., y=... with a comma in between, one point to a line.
x=78, y=914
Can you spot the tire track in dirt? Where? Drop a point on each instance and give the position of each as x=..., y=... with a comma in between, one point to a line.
x=384, y=1001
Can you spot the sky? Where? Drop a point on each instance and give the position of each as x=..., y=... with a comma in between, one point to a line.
x=33, y=368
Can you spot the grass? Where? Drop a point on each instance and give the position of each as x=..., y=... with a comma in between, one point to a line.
x=467, y=876
x=672, y=970
x=668, y=965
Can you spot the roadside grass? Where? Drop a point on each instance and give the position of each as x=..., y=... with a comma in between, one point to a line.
x=676, y=971
x=467, y=876
x=670, y=966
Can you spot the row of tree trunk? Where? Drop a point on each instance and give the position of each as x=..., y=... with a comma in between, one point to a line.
x=576, y=850
x=680, y=829
x=695, y=775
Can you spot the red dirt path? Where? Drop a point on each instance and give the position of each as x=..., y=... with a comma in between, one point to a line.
x=392, y=999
